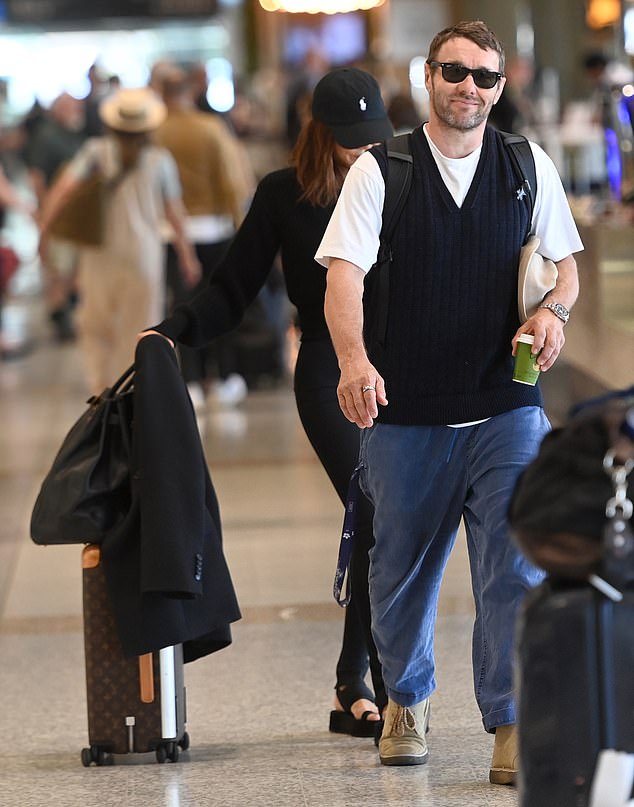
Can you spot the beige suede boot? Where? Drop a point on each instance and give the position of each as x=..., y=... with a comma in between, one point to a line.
x=505, y=756
x=403, y=739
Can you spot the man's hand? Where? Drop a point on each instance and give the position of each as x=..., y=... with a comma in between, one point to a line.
x=546, y=326
x=548, y=331
x=360, y=389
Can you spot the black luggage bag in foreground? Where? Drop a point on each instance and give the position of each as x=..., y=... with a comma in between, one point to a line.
x=135, y=704
x=575, y=689
x=572, y=514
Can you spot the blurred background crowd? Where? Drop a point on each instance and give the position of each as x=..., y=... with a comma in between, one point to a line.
x=251, y=70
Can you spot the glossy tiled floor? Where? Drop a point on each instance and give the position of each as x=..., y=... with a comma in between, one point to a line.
x=257, y=711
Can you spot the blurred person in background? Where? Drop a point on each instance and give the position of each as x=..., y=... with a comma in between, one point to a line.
x=595, y=67
x=198, y=79
x=300, y=89
x=99, y=89
x=114, y=83
x=158, y=73
x=217, y=185
x=403, y=114
x=122, y=281
x=289, y=213
x=53, y=142
x=10, y=199
x=247, y=118
x=199, y=83
x=515, y=111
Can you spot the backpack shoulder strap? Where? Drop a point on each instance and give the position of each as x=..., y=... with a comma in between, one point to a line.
x=523, y=161
x=398, y=180
x=397, y=172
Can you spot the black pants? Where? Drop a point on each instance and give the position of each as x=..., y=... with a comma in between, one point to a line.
x=336, y=443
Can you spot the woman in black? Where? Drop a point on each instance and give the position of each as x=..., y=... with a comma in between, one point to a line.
x=289, y=213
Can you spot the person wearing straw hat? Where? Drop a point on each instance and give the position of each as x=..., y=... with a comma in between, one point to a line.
x=121, y=280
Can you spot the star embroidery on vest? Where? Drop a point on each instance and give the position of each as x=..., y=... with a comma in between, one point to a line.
x=362, y=104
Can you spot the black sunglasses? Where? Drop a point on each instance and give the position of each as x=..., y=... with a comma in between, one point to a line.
x=455, y=73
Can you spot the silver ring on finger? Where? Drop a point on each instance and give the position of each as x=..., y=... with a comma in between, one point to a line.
x=367, y=388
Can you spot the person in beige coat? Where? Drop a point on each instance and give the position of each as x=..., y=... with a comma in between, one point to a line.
x=122, y=281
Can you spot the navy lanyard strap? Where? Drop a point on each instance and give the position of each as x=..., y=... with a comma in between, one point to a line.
x=346, y=544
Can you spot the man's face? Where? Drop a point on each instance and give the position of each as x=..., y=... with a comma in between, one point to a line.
x=462, y=106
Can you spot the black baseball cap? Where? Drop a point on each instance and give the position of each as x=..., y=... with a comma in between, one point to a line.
x=348, y=101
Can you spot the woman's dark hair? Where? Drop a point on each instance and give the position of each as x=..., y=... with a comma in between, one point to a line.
x=476, y=31
x=318, y=174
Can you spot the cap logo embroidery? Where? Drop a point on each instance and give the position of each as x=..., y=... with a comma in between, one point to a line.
x=362, y=104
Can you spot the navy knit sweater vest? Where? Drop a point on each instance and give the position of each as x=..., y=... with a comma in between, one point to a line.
x=453, y=295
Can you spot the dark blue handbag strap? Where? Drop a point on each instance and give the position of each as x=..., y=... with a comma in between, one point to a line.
x=346, y=544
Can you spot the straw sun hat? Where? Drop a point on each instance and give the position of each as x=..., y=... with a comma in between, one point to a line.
x=133, y=110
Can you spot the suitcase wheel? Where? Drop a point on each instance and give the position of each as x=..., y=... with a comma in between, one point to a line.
x=184, y=741
x=95, y=755
x=165, y=751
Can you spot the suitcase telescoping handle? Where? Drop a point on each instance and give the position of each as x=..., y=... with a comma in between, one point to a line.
x=90, y=556
x=146, y=678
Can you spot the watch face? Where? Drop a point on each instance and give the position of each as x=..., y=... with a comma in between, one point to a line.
x=559, y=310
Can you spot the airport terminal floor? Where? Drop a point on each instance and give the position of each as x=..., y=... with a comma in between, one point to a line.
x=257, y=710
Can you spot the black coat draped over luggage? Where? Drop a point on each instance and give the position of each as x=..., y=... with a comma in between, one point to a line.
x=165, y=568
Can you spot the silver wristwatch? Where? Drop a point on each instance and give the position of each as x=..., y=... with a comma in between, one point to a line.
x=558, y=310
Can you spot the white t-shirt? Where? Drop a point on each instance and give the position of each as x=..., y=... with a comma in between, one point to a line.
x=353, y=231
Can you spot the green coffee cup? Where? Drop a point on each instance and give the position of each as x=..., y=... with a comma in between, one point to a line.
x=526, y=367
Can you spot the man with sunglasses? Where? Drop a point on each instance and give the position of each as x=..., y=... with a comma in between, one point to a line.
x=457, y=430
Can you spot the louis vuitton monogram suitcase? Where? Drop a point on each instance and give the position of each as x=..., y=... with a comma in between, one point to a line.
x=135, y=705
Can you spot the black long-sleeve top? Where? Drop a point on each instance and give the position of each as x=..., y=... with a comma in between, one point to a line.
x=276, y=221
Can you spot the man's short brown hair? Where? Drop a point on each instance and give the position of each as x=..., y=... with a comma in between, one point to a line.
x=474, y=30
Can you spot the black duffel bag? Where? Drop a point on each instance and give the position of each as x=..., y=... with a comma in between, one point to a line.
x=86, y=493
x=558, y=511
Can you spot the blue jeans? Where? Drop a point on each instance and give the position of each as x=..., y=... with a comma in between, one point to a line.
x=422, y=480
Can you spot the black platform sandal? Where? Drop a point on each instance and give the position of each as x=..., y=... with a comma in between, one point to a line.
x=342, y=721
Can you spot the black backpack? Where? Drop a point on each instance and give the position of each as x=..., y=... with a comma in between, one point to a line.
x=398, y=180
